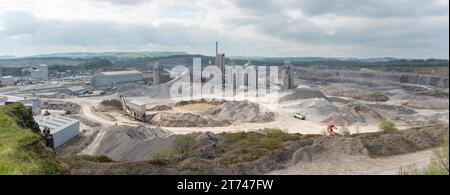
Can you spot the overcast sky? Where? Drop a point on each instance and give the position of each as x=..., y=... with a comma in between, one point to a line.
x=327, y=28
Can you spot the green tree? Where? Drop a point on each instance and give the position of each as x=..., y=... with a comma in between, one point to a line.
x=68, y=112
x=439, y=162
x=387, y=126
x=184, y=144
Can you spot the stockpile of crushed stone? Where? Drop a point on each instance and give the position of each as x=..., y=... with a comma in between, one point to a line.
x=125, y=143
x=167, y=119
x=240, y=111
x=362, y=114
x=317, y=108
x=354, y=113
x=113, y=103
x=221, y=115
x=323, y=110
x=302, y=94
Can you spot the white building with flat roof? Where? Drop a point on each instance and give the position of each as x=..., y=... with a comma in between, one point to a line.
x=7, y=80
x=40, y=73
x=62, y=129
x=110, y=79
x=30, y=103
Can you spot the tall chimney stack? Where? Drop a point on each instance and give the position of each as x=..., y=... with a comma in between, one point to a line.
x=217, y=47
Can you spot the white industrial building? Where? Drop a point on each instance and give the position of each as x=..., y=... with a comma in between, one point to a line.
x=40, y=73
x=33, y=104
x=75, y=90
x=7, y=80
x=110, y=79
x=62, y=129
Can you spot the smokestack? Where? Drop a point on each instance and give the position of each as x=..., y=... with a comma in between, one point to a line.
x=217, y=47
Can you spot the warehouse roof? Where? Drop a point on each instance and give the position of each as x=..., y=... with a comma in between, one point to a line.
x=56, y=122
x=76, y=88
x=118, y=73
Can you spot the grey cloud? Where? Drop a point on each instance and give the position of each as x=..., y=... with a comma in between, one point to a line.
x=365, y=8
x=257, y=6
x=124, y=2
x=371, y=8
x=36, y=31
x=377, y=25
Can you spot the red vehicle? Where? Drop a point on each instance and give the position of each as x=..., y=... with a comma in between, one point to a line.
x=330, y=129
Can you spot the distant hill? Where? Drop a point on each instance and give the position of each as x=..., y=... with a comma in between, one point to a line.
x=73, y=59
x=111, y=55
x=315, y=59
x=7, y=57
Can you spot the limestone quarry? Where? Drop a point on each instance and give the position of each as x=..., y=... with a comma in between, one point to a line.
x=136, y=128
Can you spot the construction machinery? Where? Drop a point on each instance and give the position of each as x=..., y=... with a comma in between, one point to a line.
x=134, y=109
x=331, y=129
x=299, y=115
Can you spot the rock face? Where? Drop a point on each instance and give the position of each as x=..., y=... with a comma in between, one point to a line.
x=23, y=117
x=308, y=148
x=408, y=78
x=428, y=103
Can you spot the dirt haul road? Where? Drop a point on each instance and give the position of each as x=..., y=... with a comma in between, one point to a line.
x=87, y=105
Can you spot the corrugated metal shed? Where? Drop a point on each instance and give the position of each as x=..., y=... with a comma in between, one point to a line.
x=62, y=128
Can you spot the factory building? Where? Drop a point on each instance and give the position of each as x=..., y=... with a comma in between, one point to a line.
x=7, y=80
x=287, y=79
x=32, y=104
x=157, y=74
x=62, y=129
x=75, y=90
x=110, y=79
x=220, y=62
x=39, y=73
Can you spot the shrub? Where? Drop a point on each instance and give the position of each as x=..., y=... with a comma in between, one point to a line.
x=97, y=159
x=271, y=143
x=158, y=158
x=440, y=162
x=184, y=144
x=231, y=138
x=387, y=126
x=67, y=112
